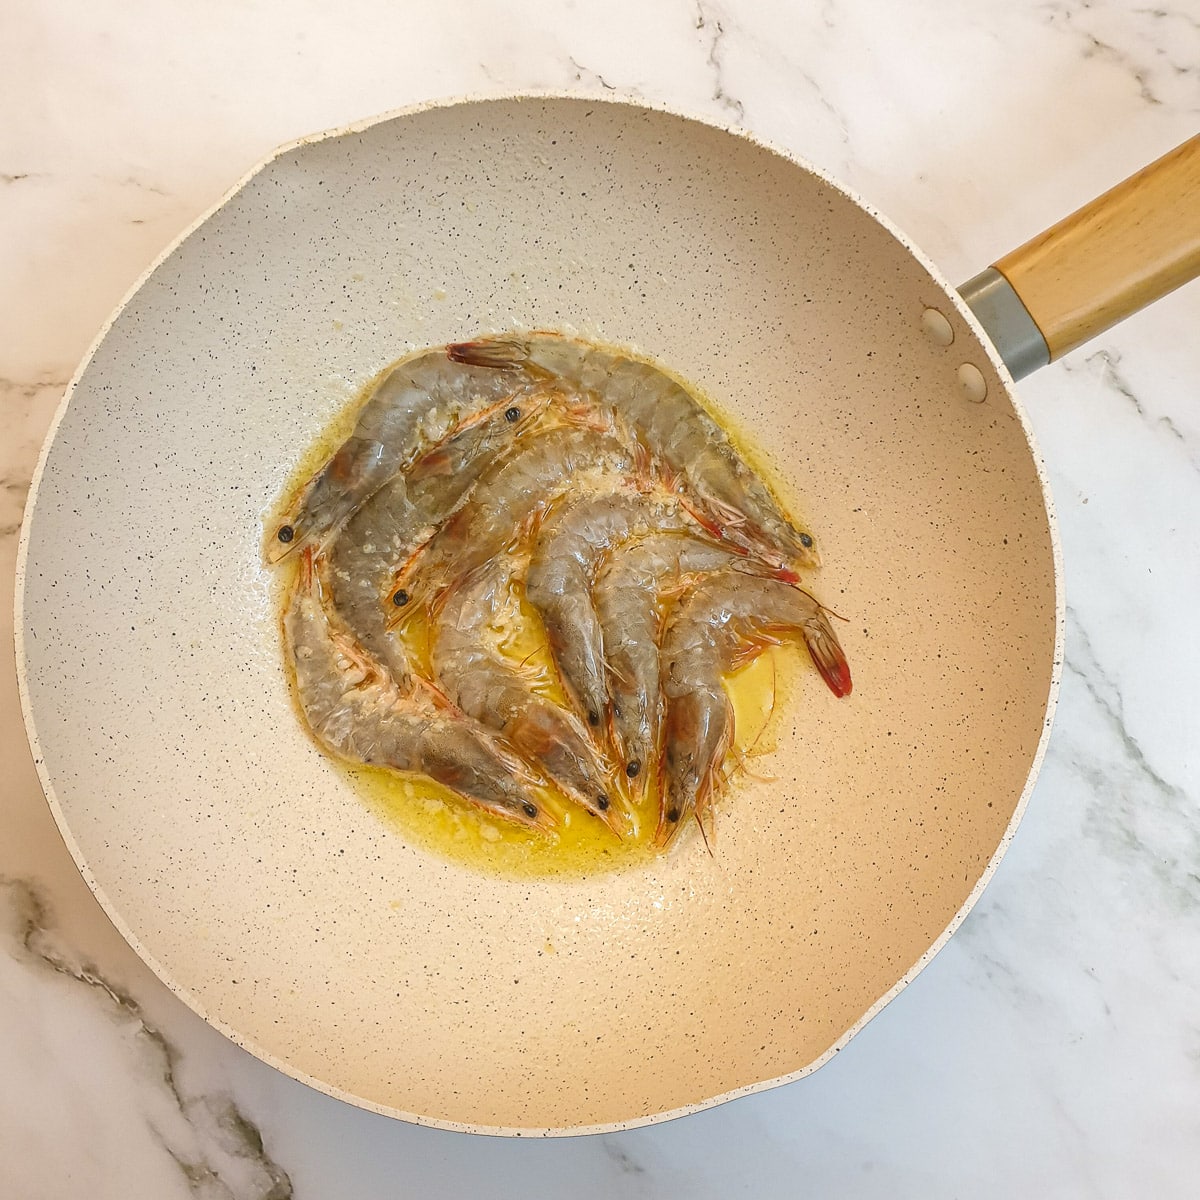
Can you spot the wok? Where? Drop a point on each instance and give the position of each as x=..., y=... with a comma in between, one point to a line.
x=233, y=856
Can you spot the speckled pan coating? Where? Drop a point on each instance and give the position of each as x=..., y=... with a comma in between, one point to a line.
x=236, y=860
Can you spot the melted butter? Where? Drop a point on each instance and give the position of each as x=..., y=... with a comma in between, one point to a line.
x=440, y=822
x=433, y=818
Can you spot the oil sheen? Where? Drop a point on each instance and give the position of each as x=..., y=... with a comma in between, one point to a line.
x=433, y=818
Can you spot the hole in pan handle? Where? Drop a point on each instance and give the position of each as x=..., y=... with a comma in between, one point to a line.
x=1124, y=250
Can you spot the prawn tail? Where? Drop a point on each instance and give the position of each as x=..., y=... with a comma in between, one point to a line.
x=497, y=353
x=827, y=654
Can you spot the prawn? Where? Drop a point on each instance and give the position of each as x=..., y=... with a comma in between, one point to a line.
x=570, y=544
x=725, y=622
x=732, y=502
x=357, y=713
x=417, y=404
x=503, y=502
x=486, y=687
x=401, y=515
x=627, y=597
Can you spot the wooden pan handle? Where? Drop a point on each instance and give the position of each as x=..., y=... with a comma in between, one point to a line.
x=1115, y=255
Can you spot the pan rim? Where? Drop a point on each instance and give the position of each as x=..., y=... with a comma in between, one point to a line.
x=190, y=998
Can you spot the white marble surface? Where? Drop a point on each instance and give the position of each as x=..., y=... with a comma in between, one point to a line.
x=1053, y=1048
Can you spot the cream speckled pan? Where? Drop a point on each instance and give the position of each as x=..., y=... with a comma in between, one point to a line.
x=237, y=861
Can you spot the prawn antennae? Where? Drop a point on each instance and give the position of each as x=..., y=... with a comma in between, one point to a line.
x=742, y=766
x=823, y=607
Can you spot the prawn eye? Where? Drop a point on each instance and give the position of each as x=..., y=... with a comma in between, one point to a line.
x=530, y=810
x=512, y=415
x=631, y=769
x=285, y=534
x=602, y=803
x=672, y=815
x=806, y=541
x=400, y=599
x=593, y=717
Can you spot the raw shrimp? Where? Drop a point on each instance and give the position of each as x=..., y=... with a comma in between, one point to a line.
x=732, y=501
x=724, y=622
x=569, y=545
x=501, y=505
x=403, y=513
x=626, y=596
x=357, y=713
x=418, y=403
x=486, y=687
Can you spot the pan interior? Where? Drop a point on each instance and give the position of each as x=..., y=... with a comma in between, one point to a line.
x=237, y=859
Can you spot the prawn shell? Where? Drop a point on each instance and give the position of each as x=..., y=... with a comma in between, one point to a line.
x=503, y=502
x=569, y=548
x=628, y=595
x=415, y=404
x=497, y=693
x=398, y=519
x=675, y=427
x=725, y=620
x=356, y=712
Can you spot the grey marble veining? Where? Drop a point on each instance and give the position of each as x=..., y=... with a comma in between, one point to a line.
x=1106, y=364
x=709, y=25
x=216, y=1151
x=1157, y=47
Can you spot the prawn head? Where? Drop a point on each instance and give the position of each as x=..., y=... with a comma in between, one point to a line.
x=697, y=739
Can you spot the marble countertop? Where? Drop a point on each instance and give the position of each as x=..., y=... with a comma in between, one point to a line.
x=1053, y=1047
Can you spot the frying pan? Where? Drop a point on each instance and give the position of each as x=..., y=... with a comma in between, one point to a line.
x=289, y=914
